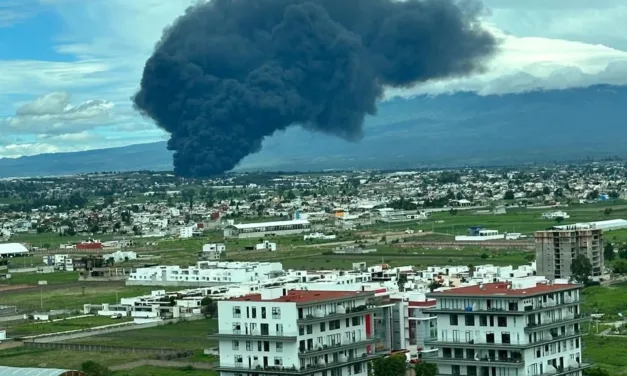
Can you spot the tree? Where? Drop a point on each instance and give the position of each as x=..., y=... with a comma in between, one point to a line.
x=607, y=211
x=395, y=365
x=402, y=279
x=619, y=266
x=92, y=368
x=425, y=369
x=509, y=195
x=581, y=268
x=471, y=270
x=434, y=285
x=608, y=252
x=559, y=219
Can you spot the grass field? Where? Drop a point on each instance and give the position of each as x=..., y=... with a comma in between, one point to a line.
x=50, y=278
x=606, y=352
x=156, y=371
x=24, y=357
x=32, y=328
x=72, y=297
x=187, y=335
x=609, y=300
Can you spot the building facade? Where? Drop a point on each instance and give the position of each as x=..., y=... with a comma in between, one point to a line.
x=556, y=249
x=518, y=328
x=297, y=332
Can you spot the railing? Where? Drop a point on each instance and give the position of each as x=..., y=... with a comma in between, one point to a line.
x=336, y=346
x=254, y=333
x=349, y=311
x=310, y=368
x=518, y=359
x=534, y=325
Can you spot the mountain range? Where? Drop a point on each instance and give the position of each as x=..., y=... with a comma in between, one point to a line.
x=459, y=129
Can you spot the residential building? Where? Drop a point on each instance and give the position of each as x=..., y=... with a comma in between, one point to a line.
x=517, y=328
x=204, y=273
x=186, y=232
x=263, y=229
x=557, y=248
x=297, y=332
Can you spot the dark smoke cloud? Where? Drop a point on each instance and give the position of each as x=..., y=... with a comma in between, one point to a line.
x=229, y=73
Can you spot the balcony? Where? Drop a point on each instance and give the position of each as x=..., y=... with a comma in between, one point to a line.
x=505, y=312
x=574, y=319
x=326, y=349
x=494, y=345
x=310, y=369
x=482, y=361
x=357, y=311
x=255, y=335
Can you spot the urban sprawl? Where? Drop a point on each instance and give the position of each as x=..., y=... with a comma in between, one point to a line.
x=473, y=272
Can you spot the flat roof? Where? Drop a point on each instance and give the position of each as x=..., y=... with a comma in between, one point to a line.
x=12, y=249
x=242, y=226
x=305, y=296
x=501, y=289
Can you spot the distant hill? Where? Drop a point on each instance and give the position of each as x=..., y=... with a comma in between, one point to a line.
x=446, y=130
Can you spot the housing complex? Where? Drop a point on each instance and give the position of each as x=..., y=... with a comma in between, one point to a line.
x=557, y=248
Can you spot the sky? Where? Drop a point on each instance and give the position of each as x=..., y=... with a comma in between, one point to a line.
x=68, y=68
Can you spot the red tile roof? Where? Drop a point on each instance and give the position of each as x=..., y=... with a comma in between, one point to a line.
x=305, y=296
x=500, y=288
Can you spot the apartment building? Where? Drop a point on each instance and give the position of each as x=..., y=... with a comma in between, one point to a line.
x=517, y=328
x=318, y=333
x=557, y=248
x=413, y=325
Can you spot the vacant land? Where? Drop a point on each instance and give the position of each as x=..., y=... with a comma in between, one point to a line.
x=607, y=352
x=71, y=296
x=609, y=300
x=187, y=335
x=24, y=357
x=156, y=371
x=30, y=328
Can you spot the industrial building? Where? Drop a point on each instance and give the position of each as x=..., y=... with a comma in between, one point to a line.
x=296, y=331
x=12, y=250
x=556, y=249
x=260, y=230
x=478, y=233
x=609, y=225
x=509, y=328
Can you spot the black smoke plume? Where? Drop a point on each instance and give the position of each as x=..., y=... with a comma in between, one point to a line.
x=229, y=73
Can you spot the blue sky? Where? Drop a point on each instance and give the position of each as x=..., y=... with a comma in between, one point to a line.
x=69, y=67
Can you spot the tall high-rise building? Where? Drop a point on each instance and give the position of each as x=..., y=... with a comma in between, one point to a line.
x=557, y=248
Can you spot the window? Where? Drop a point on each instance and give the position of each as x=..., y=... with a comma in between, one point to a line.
x=453, y=320
x=263, y=312
x=505, y=337
x=276, y=312
x=301, y=330
x=249, y=346
x=279, y=329
x=502, y=321
x=309, y=329
x=323, y=326
x=238, y=359
x=254, y=311
x=235, y=345
x=483, y=320
x=348, y=321
x=334, y=324
x=356, y=320
x=278, y=361
x=237, y=312
x=470, y=320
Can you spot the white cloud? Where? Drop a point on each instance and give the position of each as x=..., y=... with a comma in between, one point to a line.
x=54, y=114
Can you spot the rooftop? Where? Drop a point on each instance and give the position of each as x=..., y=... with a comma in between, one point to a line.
x=503, y=289
x=305, y=296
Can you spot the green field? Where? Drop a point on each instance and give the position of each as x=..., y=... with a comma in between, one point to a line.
x=72, y=296
x=186, y=335
x=25, y=357
x=607, y=352
x=156, y=371
x=50, y=278
x=29, y=328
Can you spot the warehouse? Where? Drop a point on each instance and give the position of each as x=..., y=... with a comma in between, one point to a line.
x=14, y=371
x=259, y=230
x=12, y=249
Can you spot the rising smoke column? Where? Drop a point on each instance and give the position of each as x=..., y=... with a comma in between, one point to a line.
x=229, y=73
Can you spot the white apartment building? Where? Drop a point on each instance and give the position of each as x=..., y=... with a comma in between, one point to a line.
x=517, y=328
x=186, y=232
x=205, y=273
x=297, y=332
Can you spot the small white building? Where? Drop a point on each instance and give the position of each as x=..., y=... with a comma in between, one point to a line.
x=186, y=232
x=479, y=234
x=555, y=214
x=120, y=256
x=266, y=246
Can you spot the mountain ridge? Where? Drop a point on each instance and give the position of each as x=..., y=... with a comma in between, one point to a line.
x=448, y=130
